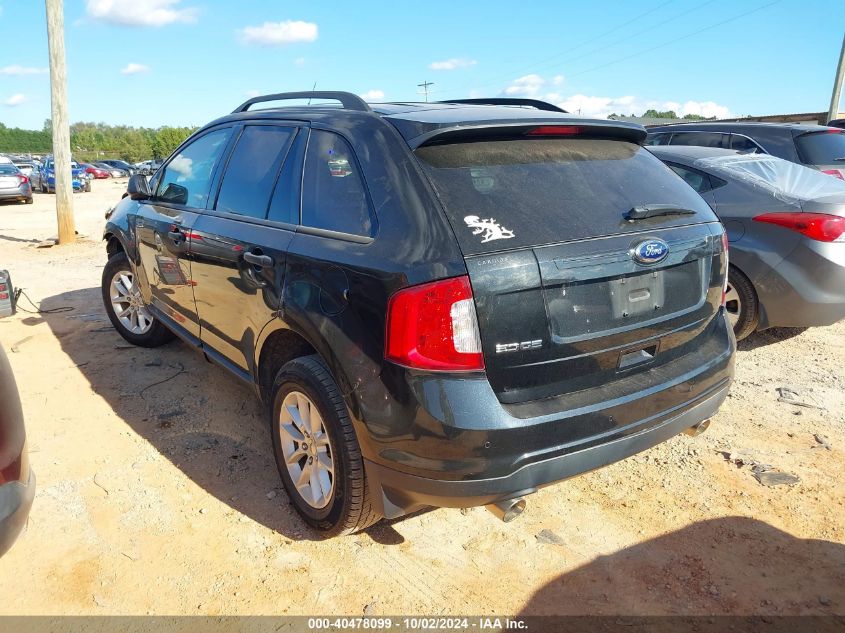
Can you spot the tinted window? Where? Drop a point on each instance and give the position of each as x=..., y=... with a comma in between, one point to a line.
x=744, y=144
x=333, y=193
x=701, y=139
x=8, y=169
x=252, y=170
x=543, y=191
x=661, y=138
x=284, y=207
x=822, y=148
x=187, y=177
x=694, y=179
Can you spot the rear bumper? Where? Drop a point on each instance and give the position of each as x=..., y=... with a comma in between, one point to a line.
x=15, y=502
x=467, y=449
x=806, y=289
x=18, y=193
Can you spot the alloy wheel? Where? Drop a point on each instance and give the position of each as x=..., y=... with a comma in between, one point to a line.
x=128, y=305
x=306, y=449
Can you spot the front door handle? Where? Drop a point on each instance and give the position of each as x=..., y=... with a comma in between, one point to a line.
x=264, y=261
x=176, y=236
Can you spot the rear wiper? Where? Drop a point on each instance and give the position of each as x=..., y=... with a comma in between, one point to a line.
x=654, y=210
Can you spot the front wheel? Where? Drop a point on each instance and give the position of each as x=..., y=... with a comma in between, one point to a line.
x=125, y=306
x=741, y=304
x=316, y=450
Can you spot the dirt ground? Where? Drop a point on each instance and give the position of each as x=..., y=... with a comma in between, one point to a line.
x=157, y=491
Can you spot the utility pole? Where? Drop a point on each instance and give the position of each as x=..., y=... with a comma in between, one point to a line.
x=59, y=120
x=424, y=85
x=835, y=98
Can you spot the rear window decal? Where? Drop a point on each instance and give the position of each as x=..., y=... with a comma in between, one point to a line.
x=488, y=228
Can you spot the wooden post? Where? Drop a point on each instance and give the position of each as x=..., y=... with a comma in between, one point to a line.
x=59, y=118
x=836, y=97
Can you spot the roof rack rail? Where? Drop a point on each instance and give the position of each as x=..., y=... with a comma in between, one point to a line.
x=348, y=100
x=534, y=103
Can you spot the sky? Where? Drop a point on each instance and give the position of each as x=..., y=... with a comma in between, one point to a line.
x=186, y=62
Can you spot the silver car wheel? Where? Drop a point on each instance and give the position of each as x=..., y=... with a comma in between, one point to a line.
x=733, y=304
x=128, y=305
x=306, y=449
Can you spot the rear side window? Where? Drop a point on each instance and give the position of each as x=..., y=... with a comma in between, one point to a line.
x=333, y=193
x=822, y=148
x=695, y=179
x=187, y=177
x=701, y=139
x=510, y=194
x=252, y=170
x=660, y=138
x=745, y=144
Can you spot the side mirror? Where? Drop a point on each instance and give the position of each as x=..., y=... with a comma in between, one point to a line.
x=138, y=188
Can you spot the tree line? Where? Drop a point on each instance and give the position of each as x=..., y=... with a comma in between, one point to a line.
x=93, y=141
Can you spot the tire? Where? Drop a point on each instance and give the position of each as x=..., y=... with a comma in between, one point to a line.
x=741, y=304
x=28, y=200
x=43, y=188
x=152, y=335
x=348, y=507
x=87, y=187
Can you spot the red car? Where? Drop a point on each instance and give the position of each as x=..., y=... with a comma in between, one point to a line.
x=95, y=171
x=17, y=482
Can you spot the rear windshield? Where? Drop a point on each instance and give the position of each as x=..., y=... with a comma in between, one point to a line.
x=517, y=193
x=787, y=181
x=822, y=148
x=8, y=169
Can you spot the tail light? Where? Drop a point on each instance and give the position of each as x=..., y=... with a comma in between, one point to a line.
x=816, y=226
x=834, y=172
x=22, y=180
x=434, y=326
x=725, y=281
x=555, y=130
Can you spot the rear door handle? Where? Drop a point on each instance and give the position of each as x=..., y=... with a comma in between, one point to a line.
x=264, y=261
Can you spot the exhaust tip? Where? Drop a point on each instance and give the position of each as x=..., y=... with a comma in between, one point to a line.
x=509, y=509
x=698, y=429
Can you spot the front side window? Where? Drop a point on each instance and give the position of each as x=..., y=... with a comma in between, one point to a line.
x=252, y=170
x=333, y=193
x=187, y=177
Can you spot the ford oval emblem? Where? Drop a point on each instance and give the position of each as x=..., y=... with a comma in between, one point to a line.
x=650, y=252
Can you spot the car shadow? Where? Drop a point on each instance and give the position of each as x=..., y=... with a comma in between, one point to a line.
x=725, y=566
x=197, y=415
x=769, y=337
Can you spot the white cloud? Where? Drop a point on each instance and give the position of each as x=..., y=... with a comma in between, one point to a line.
x=453, y=64
x=373, y=95
x=249, y=94
x=279, y=33
x=134, y=69
x=140, y=12
x=525, y=86
x=299, y=61
x=22, y=70
x=15, y=100
x=534, y=87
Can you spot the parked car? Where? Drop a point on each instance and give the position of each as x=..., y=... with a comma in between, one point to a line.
x=148, y=167
x=119, y=164
x=114, y=172
x=17, y=481
x=94, y=171
x=14, y=185
x=786, y=228
x=44, y=178
x=816, y=146
x=25, y=167
x=441, y=304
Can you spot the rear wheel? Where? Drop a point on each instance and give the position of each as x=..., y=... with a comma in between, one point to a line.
x=125, y=306
x=28, y=200
x=317, y=452
x=741, y=304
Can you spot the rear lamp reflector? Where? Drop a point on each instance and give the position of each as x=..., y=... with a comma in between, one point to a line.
x=817, y=226
x=555, y=130
x=434, y=326
x=834, y=172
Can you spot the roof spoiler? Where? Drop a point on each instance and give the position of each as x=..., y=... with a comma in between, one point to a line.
x=539, y=128
x=508, y=101
x=348, y=100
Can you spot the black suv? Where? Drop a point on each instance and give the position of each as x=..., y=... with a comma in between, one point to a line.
x=441, y=304
x=817, y=146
